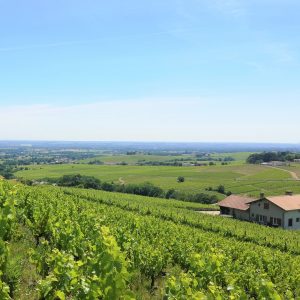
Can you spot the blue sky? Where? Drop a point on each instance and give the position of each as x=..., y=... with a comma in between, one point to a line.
x=190, y=70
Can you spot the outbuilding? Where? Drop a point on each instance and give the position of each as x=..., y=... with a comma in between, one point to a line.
x=236, y=206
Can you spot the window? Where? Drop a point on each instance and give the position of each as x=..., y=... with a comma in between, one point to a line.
x=266, y=205
x=297, y=219
x=262, y=219
x=290, y=222
x=276, y=221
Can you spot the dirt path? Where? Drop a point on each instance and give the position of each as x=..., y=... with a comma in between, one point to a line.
x=293, y=174
x=121, y=181
x=209, y=212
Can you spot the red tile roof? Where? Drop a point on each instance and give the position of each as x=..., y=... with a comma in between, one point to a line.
x=286, y=202
x=237, y=202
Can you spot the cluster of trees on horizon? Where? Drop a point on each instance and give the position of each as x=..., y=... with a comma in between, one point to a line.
x=257, y=158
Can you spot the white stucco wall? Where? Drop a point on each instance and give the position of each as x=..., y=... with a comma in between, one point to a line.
x=257, y=208
x=294, y=214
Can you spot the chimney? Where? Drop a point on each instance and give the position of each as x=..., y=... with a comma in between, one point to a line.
x=289, y=193
x=262, y=195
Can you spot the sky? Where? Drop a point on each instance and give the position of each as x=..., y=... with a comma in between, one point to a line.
x=159, y=70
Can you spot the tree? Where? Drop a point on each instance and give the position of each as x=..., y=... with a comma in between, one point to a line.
x=221, y=189
x=180, y=179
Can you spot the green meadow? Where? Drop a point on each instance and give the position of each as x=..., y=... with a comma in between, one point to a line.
x=134, y=159
x=137, y=158
x=239, y=178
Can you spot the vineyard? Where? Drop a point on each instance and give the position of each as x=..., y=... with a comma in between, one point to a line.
x=98, y=245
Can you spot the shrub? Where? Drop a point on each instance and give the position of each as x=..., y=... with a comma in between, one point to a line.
x=221, y=189
x=180, y=179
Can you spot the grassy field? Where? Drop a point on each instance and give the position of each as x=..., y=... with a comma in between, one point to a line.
x=237, y=178
x=239, y=157
x=134, y=159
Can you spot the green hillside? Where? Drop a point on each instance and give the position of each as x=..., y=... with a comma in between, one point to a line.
x=238, y=178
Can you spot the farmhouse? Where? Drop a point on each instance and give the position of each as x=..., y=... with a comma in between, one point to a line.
x=279, y=211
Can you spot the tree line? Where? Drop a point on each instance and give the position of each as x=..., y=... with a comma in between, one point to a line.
x=143, y=189
x=287, y=156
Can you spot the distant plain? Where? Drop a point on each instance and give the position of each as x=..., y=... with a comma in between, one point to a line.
x=237, y=177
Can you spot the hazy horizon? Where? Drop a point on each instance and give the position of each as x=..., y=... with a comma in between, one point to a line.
x=146, y=146
x=150, y=142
